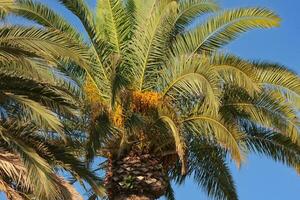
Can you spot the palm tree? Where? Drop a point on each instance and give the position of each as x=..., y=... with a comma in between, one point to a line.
x=164, y=102
x=37, y=105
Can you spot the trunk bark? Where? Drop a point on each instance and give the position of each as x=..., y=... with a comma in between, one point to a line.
x=133, y=197
x=140, y=177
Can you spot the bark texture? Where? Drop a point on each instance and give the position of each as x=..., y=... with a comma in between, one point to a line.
x=133, y=197
x=135, y=177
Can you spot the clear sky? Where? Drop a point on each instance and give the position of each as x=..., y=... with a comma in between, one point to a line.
x=259, y=178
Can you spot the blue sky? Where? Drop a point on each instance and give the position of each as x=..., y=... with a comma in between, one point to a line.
x=259, y=178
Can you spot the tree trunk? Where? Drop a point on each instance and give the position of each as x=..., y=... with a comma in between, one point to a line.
x=133, y=197
x=135, y=177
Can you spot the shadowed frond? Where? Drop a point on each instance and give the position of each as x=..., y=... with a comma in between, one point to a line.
x=211, y=172
x=38, y=113
x=227, y=136
x=274, y=145
x=194, y=78
x=179, y=142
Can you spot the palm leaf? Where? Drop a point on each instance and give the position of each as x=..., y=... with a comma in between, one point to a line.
x=194, y=78
x=149, y=45
x=208, y=164
x=207, y=126
x=272, y=144
x=279, y=79
x=38, y=113
x=179, y=142
x=189, y=11
x=264, y=109
x=39, y=171
x=116, y=24
x=223, y=28
x=40, y=14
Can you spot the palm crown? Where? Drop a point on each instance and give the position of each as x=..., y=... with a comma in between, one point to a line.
x=157, y=85
x=35, y=102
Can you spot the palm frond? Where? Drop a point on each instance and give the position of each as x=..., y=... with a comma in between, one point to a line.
x=38, y=170
x=264, y=109
x=42, y=15
x=229, y=137
x=179, y=142
x=114, y=21
x=38, y=113
x=222, y=29
x=279, y=79
x=12, y=167
x=272, y=144
x=208, y=164
x=43, y=43
x=149, y=45
x=194, y=78
x=235, y=71
x=191, y=9
x=81, y=10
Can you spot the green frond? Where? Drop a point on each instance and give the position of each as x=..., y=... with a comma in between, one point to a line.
x=210, y=170
x=194, y=78
x=189, y=10
x=235, y=71
x=279, y=79
x=272, y=144
x=37, y=72
x=56, y=99
x=277, y=75
x=179, y=141
x=264, y=109
x=114, y=23
x=42, y=15
x=43, y=43
x=229, y=137
x=131, y=10
x=81, y=10
x=66, y=159
x=144, y=8
x=51, y=45
x=222, y=29
x=149, y=44
x=38, y=113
